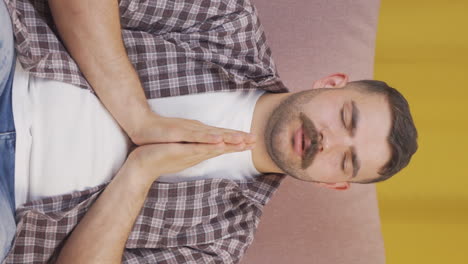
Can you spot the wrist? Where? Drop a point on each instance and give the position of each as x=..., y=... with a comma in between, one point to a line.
x=136, y=166
x=139, y=132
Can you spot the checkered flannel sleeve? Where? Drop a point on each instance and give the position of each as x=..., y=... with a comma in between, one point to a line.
x=203, y=221
x=177, y=47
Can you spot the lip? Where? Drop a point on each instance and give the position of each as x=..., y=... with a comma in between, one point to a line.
x=297, y=141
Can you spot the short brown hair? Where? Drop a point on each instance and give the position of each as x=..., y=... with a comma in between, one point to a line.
x=403, y=134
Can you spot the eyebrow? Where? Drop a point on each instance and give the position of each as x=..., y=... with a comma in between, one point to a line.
x=356, y=163
x=354, y=121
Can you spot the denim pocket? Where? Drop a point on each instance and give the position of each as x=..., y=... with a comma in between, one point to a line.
x=7, y=166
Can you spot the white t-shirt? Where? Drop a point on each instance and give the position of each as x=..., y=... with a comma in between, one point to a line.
x=67, y=141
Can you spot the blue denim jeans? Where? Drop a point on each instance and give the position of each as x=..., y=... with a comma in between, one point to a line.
x=7, y=134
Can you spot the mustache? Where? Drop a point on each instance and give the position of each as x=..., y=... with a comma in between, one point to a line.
x=311, y=132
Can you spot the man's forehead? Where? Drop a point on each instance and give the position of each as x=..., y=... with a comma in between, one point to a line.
x=372, y=162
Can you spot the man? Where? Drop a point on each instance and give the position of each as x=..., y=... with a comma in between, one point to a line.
x=331, y=136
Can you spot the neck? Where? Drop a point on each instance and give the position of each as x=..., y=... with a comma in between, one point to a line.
x=263, y=109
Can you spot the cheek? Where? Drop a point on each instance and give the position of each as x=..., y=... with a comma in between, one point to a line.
x=325, y=117
x=324, y=168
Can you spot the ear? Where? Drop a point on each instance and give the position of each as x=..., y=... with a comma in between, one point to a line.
x=336, y=80
x=339, y=186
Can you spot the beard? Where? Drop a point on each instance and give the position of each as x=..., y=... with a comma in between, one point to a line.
x=278, y=139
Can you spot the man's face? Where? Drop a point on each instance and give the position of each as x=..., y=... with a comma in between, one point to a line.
x=330, y=135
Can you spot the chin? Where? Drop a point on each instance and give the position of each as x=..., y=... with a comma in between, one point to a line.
x=278, y=146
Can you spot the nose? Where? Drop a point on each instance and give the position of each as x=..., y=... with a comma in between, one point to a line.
x=329, y=140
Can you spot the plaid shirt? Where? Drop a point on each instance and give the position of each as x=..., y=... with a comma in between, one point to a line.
x=177, y=47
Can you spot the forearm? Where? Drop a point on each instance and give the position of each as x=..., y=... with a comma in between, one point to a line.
x=91, y=32
x=101, y=235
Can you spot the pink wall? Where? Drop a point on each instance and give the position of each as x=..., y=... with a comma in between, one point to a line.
x=302, y=223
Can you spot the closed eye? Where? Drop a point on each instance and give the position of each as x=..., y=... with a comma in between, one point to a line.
x=344, y=125
x=342, y=117
x=343, y=163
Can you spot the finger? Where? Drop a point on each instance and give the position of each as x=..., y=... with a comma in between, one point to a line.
x=204, y=137
x=234, y=136
x=195, y=135
x=220, y=135
x=198, y=132
x=223, y=148
x=196, y=153
x=251, y=138
x=212, y=150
